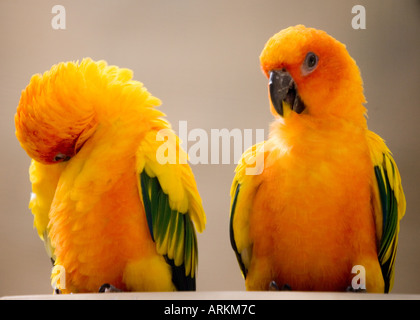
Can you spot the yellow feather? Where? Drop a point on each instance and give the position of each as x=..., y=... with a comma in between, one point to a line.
x=44, y=179
x=249, y=183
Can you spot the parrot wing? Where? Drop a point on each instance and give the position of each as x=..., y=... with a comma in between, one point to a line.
x=172, y=204
x=388, y=205
x=242, y=193
x=44, y=179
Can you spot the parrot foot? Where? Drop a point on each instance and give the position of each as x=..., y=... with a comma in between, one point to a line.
x=274, y=287
x=108, y=288
x=351, y=289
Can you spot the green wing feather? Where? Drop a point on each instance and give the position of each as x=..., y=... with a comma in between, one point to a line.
x=172, y=231
x=391, y=207
x=244, y=270
x=385, y=176
x=243, y=190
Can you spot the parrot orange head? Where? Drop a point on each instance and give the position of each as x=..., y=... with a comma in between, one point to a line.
x=56, y=113
x=311, y=73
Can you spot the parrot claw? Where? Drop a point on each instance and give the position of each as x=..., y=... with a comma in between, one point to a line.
x=274, y=287
x=351, y=289
x=107, y=288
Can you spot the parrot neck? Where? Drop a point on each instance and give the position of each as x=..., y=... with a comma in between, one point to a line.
x=126, y=116
x=312, y=133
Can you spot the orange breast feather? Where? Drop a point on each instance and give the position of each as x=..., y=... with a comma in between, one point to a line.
x=309, y=223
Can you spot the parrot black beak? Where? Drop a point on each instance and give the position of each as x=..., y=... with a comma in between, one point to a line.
x=283, y=88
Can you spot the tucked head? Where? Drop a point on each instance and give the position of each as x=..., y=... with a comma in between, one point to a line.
x=312, y=73
x=58, y=111
x=52, y=118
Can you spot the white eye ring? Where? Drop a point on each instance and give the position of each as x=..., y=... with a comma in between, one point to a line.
x=310, y=63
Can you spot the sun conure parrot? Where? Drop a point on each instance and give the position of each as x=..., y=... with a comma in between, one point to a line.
x=329, y=197
x=110, y=211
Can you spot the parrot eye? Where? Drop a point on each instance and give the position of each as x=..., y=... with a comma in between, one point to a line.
x=61, y=157
x=310, y=63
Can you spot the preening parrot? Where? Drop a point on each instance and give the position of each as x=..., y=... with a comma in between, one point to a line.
x=329, y=196
x=110, y=210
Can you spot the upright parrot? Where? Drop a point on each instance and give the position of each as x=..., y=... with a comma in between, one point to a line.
x=327, y=204
x=112, y=213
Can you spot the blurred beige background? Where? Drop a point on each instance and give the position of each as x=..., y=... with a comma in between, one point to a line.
x=201, y=59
